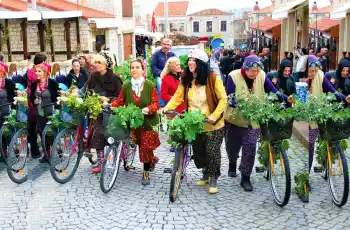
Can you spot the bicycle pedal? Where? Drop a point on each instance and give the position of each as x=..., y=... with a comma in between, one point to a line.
x=318, y=169
x=167, y=170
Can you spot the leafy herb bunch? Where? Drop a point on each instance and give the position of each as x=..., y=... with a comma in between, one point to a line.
x=130, y=116
x=93, y=104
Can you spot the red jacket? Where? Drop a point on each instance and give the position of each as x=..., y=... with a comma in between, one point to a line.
x=168, y=89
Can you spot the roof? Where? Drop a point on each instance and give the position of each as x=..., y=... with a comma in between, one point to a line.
x=266, y=24
x=14, y=5
x=265, y=10
x=63, y=5
x=324, y=24
x=175, y=9
x=210, y=12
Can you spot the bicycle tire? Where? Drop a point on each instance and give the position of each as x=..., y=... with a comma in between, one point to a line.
x=55, y=152
x=344, y=198
x=11, y=154
x=114, y=153
x=285, y=199
x=2, y=153
x=43, y=139
x=176, y=175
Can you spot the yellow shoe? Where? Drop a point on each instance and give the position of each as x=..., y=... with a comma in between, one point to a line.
x=213, y=186
x=203, y=181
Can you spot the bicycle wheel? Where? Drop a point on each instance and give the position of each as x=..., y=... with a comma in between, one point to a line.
x=17, y=168
x=47, y=138
x=130, y=152
x=5, y=139
x=65, y=158
x=279, y=175
x=176, y=174
x=338, y=175
x=110, y=167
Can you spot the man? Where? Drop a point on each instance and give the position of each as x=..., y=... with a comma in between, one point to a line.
x=239, y=59
x=159, y=59
x=301, y=64
x=226, y=64
x=266, y=60
x=324, y=60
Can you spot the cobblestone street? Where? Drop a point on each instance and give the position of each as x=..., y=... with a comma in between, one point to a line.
x=41, y=203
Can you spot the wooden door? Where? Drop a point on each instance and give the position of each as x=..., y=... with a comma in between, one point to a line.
x=127, y=45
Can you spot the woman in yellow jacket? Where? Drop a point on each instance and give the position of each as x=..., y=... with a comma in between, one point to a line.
x=201, y=89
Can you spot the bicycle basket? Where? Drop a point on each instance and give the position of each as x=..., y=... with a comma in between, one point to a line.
x=67, y=116
x=114, y=128
x=178, y=139
x=334, y=130
x=21, y=113
x=277, y=130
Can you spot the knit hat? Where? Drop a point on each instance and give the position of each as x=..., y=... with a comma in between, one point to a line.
x=198, y=54
x=252, y=61
x=313, y=61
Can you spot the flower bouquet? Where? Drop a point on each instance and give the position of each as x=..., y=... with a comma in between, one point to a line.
x=72, y=105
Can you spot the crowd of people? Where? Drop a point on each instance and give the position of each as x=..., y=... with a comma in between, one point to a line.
x=196, y=87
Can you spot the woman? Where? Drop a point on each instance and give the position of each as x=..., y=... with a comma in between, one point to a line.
x=201, y=89
x=143, y=94
x=105, y=83
x=170, y=80
x=43, y=95
x=283, y=79
x=77, y=76
x=250, y=79
x=340, y=79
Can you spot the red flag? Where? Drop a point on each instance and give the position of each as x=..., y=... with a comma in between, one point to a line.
x=154, y=25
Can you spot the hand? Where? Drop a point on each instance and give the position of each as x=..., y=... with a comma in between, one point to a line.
x=61, y=92
x=104, y=99
x=211, y=120
x=162, y=110
x=291, y=100
x=348, y=99
x=145, y=110
x=105, y=105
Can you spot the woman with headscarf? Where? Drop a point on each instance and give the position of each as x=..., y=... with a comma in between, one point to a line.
x=249, y=79
x=318, y=84
x=202, y=89
x=142, y=93
x=105, y=83
x=283, y=79
x=340, y=79
x=43, y=95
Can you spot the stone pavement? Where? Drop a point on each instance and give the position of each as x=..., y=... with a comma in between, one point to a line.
x=41, y=203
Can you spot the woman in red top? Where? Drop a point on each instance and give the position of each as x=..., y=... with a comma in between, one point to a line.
x=170, y=81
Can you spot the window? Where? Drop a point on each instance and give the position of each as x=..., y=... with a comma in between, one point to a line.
x=196, y=26
x=209, y=26
x=182, y=27
x=161, y=27
x=172, y=27
x=223, y=26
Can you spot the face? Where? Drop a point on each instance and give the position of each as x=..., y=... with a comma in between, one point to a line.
x=252, y=73
x=82, y=62
x=287, y=71
x=40, y=74
x=136, y=69
x=345, y=72
x=76, y=67
x=100, y=67
x=192, y=65
x=312, y=72
x=176, y=67
x=311, y=52
x=166, y=45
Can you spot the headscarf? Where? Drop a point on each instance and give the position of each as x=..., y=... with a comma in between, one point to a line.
x=252, y=61
x=44, y=67
x=314, y=62
x=341, y=80
x=109, y=61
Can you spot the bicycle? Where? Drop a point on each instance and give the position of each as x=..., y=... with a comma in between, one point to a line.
x=335, y=163
x=6, y=134
x=120, y=149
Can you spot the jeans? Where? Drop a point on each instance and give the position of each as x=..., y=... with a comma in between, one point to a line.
x=159, y=84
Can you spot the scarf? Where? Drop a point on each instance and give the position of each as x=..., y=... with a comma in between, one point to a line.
x=2, y=84
x=137, y=85
x=42, y=87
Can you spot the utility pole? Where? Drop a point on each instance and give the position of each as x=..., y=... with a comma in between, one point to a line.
x=166, y=22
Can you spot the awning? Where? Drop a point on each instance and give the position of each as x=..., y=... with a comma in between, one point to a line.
x=33, y=15
x=13, y=14
x=324, y=24
x=61, y=14
x=102, y=23
x=340, y=12
x=266, y=24
x=282, y=12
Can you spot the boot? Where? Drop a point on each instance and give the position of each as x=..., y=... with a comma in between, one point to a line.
x=245, y=183
x=213, y=185
x=232, y=170
x=97, y=168
x=204, y=180
x=153, y=164
x=145, y=178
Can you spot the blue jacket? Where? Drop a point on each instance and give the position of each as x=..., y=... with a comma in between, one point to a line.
x=159, y=60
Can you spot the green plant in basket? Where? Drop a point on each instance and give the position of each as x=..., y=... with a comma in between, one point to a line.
x=185, y=129
x=93, y=105
x=12, y=120
x=130, y=114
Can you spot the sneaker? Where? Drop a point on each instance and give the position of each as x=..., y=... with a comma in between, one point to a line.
x=153, y=165
x=213, y=186
x=96, y=169
x=203, y=181
x=145, y=178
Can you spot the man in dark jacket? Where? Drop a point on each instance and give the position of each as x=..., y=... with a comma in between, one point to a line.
x=238, y=60
x=159, y=59
x=226, y=64
x=267, y=60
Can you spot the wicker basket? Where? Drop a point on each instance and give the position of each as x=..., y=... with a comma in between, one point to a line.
x=67, y=116
x=335, y=130
x=277, y=130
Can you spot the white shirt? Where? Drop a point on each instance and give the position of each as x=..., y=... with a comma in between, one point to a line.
x=302, y=61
